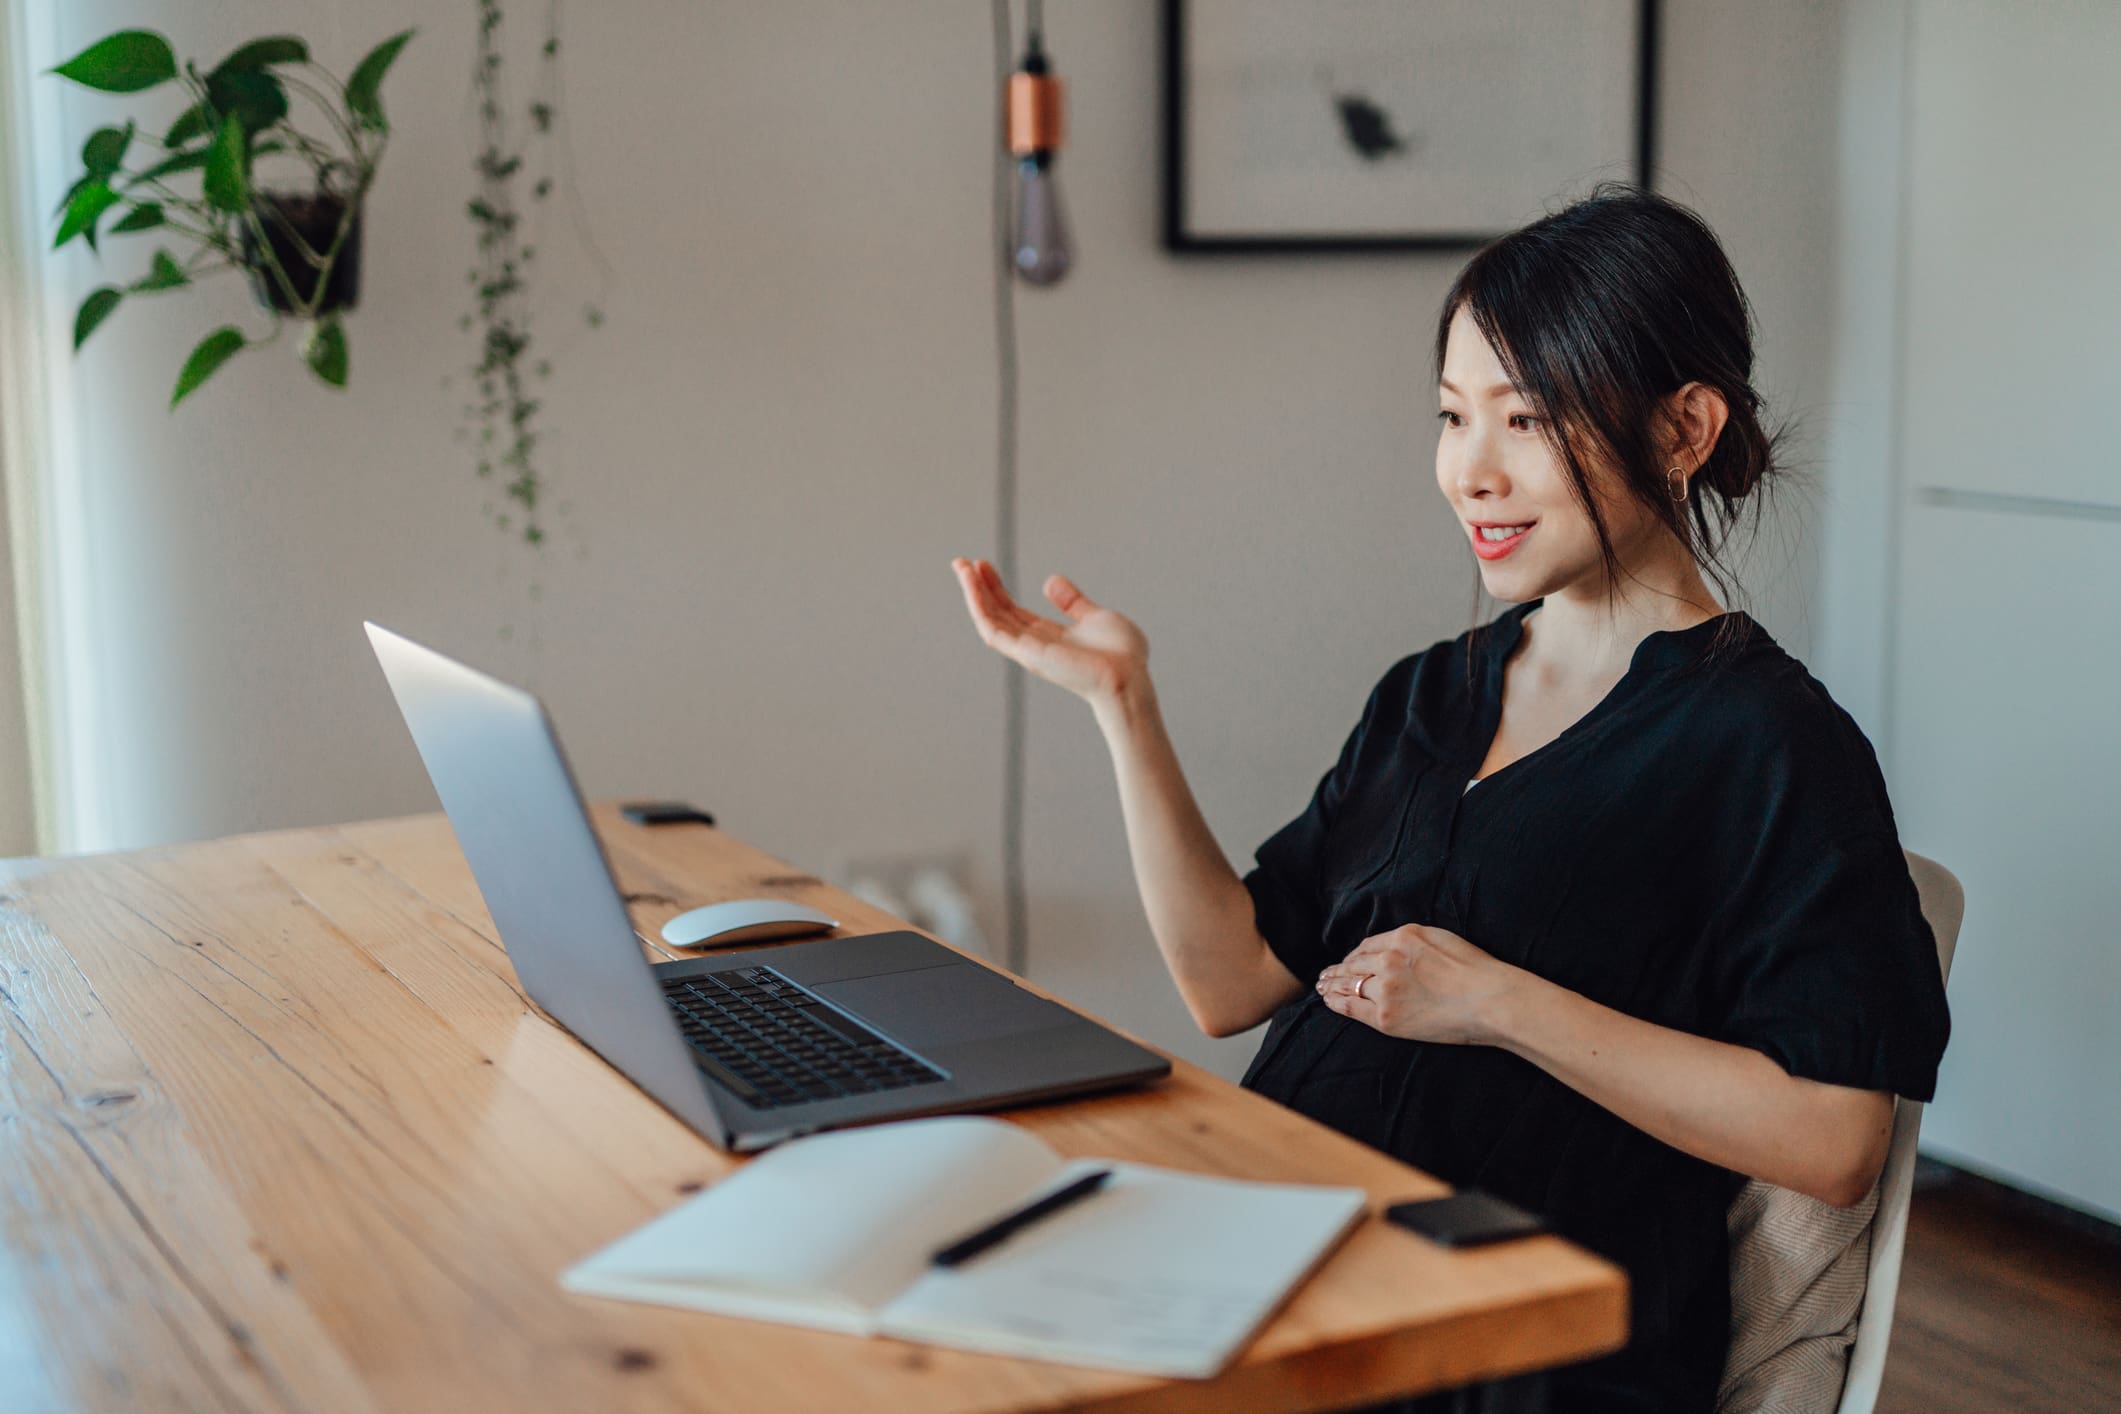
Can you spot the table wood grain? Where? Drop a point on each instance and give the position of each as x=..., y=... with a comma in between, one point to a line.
x=280, y=1131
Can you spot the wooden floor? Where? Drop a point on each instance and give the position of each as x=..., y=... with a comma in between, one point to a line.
x=2006, y=1303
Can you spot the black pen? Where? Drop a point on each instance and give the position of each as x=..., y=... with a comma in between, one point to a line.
x=966, y=1248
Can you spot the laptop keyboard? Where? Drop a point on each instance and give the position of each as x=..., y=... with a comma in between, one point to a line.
x=774, y=1044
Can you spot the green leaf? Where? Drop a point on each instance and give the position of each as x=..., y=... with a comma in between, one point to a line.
x=94, y=310
x=214, y=350
x=195, y=121
x=326, y=352
x=170, y=166
x=104, y=152
x=362, y=97
x=277, y=49
x=163, y=273
x=84, y=211
x=71, y=192
x=144, y=217
x=256, y=98
x=186, y=161
x=125, y=62
x=227, y=176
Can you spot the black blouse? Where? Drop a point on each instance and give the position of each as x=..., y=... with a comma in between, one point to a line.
x=1710, y=848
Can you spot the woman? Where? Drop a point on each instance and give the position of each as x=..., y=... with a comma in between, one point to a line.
x=1602, y=908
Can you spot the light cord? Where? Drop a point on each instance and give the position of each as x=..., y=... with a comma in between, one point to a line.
x=1016, y=930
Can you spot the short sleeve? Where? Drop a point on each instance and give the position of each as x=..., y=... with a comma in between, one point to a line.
x=1288, y=886
x=1821, y=959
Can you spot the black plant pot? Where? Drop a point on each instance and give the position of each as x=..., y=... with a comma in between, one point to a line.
x=316, y=215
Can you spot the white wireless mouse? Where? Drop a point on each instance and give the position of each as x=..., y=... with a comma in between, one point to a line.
x=744, y=920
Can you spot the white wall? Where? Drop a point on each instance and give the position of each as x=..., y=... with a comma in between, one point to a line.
x=1996, y=502
x=784, y=431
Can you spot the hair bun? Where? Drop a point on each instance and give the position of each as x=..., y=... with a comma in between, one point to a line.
x=1598, y=312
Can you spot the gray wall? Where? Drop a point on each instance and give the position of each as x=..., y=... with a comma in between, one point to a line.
x=784, y=431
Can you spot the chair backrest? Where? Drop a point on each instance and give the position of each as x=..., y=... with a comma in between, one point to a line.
x=1944, y=905
x=1812, y=1285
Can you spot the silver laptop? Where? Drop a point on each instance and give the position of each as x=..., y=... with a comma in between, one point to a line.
x=748, y=1047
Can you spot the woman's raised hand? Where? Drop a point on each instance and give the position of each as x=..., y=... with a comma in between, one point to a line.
x=1096, y=655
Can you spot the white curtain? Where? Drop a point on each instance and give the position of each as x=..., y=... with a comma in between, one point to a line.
x=29, y=823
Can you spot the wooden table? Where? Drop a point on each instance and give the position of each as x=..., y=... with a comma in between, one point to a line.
x=279, y=1131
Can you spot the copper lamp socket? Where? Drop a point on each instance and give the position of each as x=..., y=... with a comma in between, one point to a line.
x=1034, y=113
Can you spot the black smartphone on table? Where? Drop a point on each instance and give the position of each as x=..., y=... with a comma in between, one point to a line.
x=664, y=812
x=1467, y=1218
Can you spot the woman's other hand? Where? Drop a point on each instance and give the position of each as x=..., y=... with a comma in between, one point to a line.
x=1096, y=655
x=1419, y=983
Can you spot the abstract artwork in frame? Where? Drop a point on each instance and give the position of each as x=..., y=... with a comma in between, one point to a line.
x=1296, y=125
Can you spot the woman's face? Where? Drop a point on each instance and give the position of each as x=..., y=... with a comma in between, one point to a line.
x=1495, y=468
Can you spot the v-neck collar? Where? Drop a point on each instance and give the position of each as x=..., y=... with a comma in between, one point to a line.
x=1661, y=651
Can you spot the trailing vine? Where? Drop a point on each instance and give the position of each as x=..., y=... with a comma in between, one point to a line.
x=502, y=412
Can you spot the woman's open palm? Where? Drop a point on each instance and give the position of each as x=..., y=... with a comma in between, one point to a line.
x=1093, y=655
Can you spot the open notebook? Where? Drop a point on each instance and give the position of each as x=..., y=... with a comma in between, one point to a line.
x=1159, y=1271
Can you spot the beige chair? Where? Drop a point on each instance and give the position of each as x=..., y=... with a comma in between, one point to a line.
x=1812, y=1285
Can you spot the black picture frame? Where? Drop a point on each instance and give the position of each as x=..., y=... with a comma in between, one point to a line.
x=1179, y=240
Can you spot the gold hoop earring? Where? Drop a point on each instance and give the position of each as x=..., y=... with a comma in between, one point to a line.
x=1674, y=472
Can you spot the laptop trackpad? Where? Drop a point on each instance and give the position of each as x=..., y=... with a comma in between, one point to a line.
x=937, y=1006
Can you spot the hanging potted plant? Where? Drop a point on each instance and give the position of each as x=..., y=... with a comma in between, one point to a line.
x=300, y=244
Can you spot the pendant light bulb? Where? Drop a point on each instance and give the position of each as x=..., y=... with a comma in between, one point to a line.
x=1038, y=232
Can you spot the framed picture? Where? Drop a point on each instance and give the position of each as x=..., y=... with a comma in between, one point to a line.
x=1395, y=124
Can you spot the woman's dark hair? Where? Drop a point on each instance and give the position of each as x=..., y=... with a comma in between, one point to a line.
x=1599, y=312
